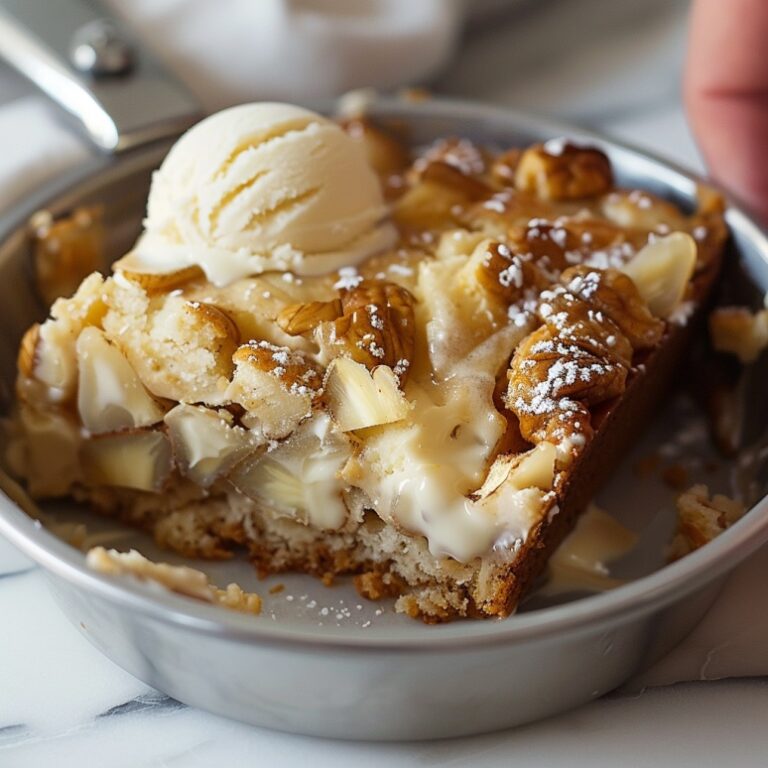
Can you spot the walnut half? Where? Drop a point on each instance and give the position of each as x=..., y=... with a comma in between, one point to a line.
x=561, y=171
x=552, y=383
x=580, y=357
x=371, y=323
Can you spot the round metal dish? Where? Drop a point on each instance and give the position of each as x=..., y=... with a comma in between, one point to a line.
x=395, y=679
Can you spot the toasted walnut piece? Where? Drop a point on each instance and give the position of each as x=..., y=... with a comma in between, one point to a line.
x=564, y=172
x=425, y=209
x=545, y=243
x=557, y=245
x=386, y=311
x=386, y=154
x=372, y=323
x=499, y=273
x=461, y=154
x=297, y=319
x=701, y=518
x=504, y=166
x=158, y=282
x=25, y=360
x=739, y=332
x=575, y=321
x=551, y=384
x=612, y=293
x=450, y=176
x=505, y=215
x=277, y=386
x=590, y=234
x=65, y=250
x=580, y=357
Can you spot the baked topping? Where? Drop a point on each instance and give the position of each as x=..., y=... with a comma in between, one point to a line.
x=65, y=250
x=738, y=331
x=559, y=170
x=501, y=274
x=235, y=383
x=182, y=350
x=275, y=385
x=593, y=322
x=701, y=518
x=372, y=324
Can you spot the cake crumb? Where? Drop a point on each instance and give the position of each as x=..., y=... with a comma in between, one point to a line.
x=701, y=518
x=377, y=586
x=276, y=589
x=236, y=598
x=739, y=332
x=175, y=578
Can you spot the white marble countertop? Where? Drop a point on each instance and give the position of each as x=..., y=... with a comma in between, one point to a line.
x=62, y=703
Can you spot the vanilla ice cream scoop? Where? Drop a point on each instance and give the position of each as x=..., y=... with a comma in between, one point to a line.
x=262, y=187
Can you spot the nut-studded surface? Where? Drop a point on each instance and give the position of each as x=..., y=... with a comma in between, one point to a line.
x=504, y=304
x=594, y=322
x=373, y=323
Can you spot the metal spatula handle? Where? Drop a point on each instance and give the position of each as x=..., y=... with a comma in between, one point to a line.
x=96, y=69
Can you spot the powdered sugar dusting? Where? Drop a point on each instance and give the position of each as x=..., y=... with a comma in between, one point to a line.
x=349, y=278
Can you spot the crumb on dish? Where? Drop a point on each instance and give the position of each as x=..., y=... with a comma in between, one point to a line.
x=702, y=518
x=180, y=579
x=739, y=332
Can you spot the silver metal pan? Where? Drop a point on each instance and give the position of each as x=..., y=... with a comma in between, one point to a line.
x=317, y=664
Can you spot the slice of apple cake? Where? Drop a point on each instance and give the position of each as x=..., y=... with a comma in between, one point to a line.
x=428, y=408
